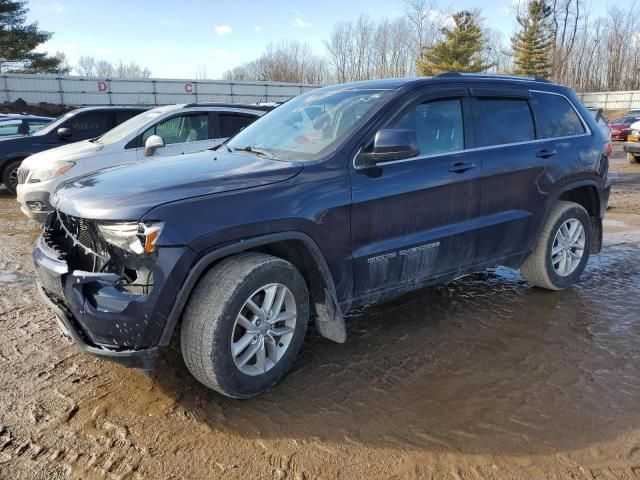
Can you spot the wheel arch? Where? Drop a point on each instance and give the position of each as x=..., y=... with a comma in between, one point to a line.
x=10, y=159
x=584, y=193
x=295, y=247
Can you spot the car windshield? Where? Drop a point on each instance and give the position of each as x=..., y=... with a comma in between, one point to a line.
x=130, y=126
x=626, y=120
x=309, y=126
x=55, y=124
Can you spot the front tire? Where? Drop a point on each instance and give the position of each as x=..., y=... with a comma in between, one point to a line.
x=244, y=324
x=10, y=176
x=632, y=158
x=562, y=250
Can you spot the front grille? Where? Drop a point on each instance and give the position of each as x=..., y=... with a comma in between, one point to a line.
x=76, y=240
x=23, y=173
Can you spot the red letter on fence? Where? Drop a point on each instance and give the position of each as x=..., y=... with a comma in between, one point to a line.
x=188, y=87
x=103, y=86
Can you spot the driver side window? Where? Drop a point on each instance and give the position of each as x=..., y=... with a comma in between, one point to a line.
x=438, y=125
x=180, y=129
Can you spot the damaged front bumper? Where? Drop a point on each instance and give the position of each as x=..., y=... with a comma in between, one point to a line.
x=104, y=319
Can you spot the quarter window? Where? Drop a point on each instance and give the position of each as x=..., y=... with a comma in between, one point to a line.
x=11, y=127
x=180, y=129
x=499, y=121
x=438, y=125
x=555, y=116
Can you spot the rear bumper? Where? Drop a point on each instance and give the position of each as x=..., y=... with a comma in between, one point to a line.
x=102, y=318
x=632, y=147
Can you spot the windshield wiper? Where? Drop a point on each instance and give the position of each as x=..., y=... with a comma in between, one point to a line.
x=255, y=150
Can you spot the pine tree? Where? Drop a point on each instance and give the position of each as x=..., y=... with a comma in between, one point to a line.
x=459, y=51
x=533, y=43
x=18, y=42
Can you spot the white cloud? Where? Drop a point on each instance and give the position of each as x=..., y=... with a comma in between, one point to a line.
x=223, y=29
x=220, y=53
x=301, y=23
x=257, y=28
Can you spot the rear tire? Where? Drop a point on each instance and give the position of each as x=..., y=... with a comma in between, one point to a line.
x=632, y=158
x=221, y=329
x=559, y=259
x=10, y=176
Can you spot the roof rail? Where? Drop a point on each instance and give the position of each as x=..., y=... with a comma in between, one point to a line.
x=492, y=75
x=264, y=108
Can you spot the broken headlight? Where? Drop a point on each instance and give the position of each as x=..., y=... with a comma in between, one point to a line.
x=132, y=237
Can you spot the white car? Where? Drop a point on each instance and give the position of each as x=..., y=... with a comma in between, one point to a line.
x=161, y=132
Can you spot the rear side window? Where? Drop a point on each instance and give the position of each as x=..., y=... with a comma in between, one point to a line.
x=232, y=124
x=555, y=116
x=438, y=125
x=499, y=121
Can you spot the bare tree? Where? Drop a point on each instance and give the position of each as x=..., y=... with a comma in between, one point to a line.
x=86, y=66
x=89, y=66
x=201, y=72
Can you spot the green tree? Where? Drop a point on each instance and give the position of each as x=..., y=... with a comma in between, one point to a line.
x=461, y=49
x=533, y=43
x=18, y=42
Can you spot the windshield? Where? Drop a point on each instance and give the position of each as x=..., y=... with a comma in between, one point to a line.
x=626, y=120
x=55, y=124
x=130, y=126
x=309, y=126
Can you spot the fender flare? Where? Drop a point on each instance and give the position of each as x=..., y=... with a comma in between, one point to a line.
x=596, y=221
x=330, y=321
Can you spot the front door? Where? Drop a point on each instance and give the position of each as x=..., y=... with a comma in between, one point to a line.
x=415, y=220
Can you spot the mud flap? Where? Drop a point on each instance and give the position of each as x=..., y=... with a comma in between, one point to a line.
x=330, y=322
x=596, y=238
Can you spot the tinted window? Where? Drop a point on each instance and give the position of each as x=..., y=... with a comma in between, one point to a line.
x=125, y=115
x=180, y=129
x=499, y=121
x=34, y=126
x=232, y=124
x=555, y=116
x=90, y=124
x=438, y=125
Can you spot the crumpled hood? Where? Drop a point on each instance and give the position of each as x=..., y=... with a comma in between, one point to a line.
x=127, y=192
x=72, y=151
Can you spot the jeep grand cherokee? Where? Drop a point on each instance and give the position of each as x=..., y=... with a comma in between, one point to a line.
x=344, y=196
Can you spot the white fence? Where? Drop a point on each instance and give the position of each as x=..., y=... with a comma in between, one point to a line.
x=612, y=100
x=78, y=91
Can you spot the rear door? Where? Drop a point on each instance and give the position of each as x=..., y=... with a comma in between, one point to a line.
x=416, y=219
x=513, y=162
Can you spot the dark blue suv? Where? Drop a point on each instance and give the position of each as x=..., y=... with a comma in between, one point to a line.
x=341, y=197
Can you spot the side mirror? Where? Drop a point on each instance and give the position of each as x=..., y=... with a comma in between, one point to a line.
x=64, y=133
x=392, y=144
x=152, y=144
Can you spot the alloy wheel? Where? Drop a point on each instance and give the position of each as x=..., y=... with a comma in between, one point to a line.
x=568, y=247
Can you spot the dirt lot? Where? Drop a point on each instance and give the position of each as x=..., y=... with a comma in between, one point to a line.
x=484, y=377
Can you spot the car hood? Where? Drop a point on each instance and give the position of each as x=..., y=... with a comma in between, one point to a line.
x=72, y=151
x=127, y=192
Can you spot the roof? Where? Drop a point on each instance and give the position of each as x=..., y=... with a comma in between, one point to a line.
x=395, y=83
x=19, y=116
x=247, y=106
x=109, y=108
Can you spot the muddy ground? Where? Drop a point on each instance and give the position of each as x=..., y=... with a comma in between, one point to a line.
x=484, y=377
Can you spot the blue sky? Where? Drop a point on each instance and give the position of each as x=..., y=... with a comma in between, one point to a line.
x=173, y=38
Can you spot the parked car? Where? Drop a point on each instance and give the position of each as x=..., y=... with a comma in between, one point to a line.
x=80, y=124
x=12, y=125
x=161, y=132
x=601, y=120
x=341, y=197
x=620, y=127
x=632, y=145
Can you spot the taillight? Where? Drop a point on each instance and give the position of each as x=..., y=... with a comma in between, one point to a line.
x=608, y=149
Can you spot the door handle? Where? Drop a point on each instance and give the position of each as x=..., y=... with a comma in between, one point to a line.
x=546, y=153
x=461, y=167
